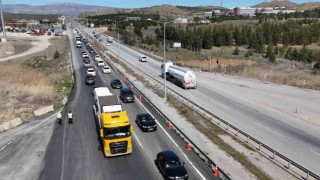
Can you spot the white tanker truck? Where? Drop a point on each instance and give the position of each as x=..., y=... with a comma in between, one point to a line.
x=180, y=76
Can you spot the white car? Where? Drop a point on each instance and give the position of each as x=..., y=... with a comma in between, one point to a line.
x=85, y=55
x=101, y=62
x=91, y=71
x=106, y=69
x=143, y=58
x=97, y=57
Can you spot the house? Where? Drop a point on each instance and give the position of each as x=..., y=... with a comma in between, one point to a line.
x=181, y=21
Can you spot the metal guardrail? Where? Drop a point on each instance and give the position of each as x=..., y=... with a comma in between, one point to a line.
x=265, y=150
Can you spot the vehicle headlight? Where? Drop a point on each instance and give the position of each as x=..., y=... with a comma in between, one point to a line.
x=171, y=177
x=107, y=152
x=129, y=149
x=144, y=126
x=186, y=175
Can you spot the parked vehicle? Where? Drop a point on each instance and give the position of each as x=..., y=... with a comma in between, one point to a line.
x=91, y=71
x=180, y=76
x=116, y=84
x=89, y=79
x=110, y=39
x=126, y=95
x=146, y=122
x=106, y=69
x=170, y=166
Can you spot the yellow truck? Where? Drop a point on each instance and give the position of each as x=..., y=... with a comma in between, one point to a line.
x=114, y=125
x=116, y=134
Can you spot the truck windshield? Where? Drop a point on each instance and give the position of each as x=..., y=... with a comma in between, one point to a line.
x=117, y=132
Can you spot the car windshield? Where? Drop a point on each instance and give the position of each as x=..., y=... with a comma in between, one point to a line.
x=90, y=70
x=116, y=82
x=146, y=118
x=117, y=132
x=173, y=164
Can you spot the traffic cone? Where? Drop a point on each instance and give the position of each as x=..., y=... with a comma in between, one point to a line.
x=140, y=98
x=216, y=171
x=188, y=147
x=169, y=125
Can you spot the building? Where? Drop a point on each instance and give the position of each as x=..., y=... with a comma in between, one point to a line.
x=181, y=21
x=244, y=11
x=58, y=30
x=133, y=18
x=211, y=14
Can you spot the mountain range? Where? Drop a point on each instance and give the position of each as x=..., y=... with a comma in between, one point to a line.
x=71, y=9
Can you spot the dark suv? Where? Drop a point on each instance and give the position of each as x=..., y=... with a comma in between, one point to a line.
x=90, y=79
x=126, y=95
x=170, y=166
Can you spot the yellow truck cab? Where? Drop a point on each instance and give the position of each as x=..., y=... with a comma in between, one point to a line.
x=115, y=133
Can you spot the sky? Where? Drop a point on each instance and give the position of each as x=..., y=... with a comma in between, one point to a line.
x=147, y=3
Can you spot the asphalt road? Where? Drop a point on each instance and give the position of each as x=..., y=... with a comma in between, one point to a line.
x=265, y=111
x=73, y=152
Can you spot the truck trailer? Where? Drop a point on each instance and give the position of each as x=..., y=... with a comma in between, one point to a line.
x=114, y=126
x=182, y=77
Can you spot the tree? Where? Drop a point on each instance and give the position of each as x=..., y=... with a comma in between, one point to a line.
x=56, y=55
x=272, y=58
x=236, y=51
x=269, y=50
x=137, y=31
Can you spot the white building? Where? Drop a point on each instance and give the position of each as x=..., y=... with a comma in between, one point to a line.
x=181, y=21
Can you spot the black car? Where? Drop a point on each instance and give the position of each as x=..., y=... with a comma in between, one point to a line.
x=90, y=79
x=170, y=166
x=146, y=122
x=126, y=95
x=86, y=58
x=90, y=50
x=116, y=84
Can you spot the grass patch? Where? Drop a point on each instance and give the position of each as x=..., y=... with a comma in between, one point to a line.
x=29, y=84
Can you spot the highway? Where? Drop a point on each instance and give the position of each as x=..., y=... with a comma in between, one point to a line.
x=264, y=111
x=74, y=151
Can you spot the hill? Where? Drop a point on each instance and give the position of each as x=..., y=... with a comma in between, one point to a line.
x=162, y=10
x=290, y=5
x=10, y=16
x=67, y=9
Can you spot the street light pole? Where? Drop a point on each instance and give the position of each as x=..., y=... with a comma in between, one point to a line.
x=4, y=38
x=164, y=60
x=164, y=56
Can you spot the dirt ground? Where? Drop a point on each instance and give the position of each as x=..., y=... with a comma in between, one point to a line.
x=34, y=80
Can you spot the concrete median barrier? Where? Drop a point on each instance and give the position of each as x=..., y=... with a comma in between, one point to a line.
x=44, y=110
x=10, y=124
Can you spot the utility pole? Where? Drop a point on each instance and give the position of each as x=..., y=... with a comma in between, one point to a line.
x=4, y=38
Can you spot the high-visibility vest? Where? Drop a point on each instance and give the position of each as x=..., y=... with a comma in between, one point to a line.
x=69, y=115
x=59, y=115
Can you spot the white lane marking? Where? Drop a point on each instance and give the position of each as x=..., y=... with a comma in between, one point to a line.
x=7, y=144
x=269, y=129
x=63, y=143
x=41, y=122
x=138, y=140
x=174, y=143
x=315, y=152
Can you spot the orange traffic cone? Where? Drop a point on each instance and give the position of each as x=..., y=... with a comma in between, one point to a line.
x=169, y=125
x=216, y=171
x=188, y=147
